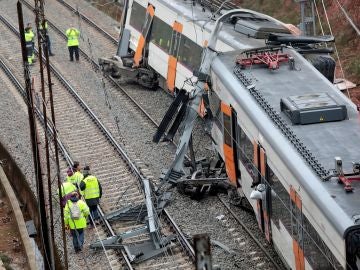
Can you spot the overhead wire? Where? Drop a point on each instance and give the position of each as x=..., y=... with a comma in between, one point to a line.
x=336, y=50
x=348, y=18
x=109, y=105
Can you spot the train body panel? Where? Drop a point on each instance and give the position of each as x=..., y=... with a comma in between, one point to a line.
x=323, y=212
x=196, y=29
x=308, y=220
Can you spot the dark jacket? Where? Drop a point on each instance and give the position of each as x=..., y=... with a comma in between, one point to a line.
x=94, y=201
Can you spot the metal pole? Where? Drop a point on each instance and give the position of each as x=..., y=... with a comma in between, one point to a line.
x=34, y=142
x=39, y=15
x=50, y=84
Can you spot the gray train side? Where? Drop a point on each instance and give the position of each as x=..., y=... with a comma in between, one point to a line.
x=308, y=215
x=175, y=34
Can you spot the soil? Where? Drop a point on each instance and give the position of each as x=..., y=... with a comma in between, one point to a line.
x=11, y=250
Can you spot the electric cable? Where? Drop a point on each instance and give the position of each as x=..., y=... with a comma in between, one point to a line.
x=348, y=18
x=336, y=51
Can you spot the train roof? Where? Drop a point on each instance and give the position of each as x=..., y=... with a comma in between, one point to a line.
x=246, y=33
x=325, y=141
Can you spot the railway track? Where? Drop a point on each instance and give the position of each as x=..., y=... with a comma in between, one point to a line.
x=91, y=63
x=102, y=143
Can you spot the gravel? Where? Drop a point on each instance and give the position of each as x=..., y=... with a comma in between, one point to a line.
x=136, y=133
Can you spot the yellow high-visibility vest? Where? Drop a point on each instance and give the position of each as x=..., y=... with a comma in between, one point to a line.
x=66, y=188
x=92, y=189
x=73, y=37
x=29, y=36
x=78, y=223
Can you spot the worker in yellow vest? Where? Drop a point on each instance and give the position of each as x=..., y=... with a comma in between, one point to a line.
x=73, y=35
x=92, y=192
x=43, y=27
x=29, y=43
x=69, y=174
x=66, y=189
x=77, y=176
x=75, y=214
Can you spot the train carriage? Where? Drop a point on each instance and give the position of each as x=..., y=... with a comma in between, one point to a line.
x=287, y=136
x=312, y=220
x=173, y=34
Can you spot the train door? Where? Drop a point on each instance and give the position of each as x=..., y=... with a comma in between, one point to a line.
x=145, y=33
x=173, y=54
x=264, y=204
x=297, y=229
x=230, y=155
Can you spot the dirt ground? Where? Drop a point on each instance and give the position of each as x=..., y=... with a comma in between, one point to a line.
x=11, y=250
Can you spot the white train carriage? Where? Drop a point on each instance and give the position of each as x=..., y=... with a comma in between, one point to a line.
x=177, y=31
x=285, y=128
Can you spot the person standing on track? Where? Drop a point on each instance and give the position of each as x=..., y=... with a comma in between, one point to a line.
x=45, y=33
x=73, y=35
x=92, y=191
x=29, y=43
x=65, y=192
x=77, y=176
x=75, y=214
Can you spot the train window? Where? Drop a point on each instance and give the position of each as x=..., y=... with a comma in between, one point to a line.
x=316, y=252
x=189, y=53
x=215, y=106
x=280, y=202
x=246, y=154
x=161, y=34
x=227, y=129
x=137, y=17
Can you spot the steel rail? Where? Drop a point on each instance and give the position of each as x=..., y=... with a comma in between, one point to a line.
x=63, y=149
x=97, y=67
x=87, y=109
x=253, y=237
x=89, y=21
x=183, y=241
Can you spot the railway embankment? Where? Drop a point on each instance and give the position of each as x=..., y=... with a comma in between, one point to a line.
x=16, y=247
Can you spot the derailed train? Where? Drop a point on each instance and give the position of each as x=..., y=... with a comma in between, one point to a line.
x=287, y=136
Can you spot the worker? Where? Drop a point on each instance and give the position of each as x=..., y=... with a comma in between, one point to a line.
x=92, y=192
x=77, y=176
x=67, y=188
x=29, y=43
x=75, y=214
x=70, y=173
x=72, y=35
x=43, y=27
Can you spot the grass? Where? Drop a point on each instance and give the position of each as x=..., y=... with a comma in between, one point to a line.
x=6, y=261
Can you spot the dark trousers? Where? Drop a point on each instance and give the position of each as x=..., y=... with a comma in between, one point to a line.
x=48, y=43
x=94, y=212
x=72, y=50
x=78, y=238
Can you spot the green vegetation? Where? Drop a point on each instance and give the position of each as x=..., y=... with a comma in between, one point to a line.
x=6, y=261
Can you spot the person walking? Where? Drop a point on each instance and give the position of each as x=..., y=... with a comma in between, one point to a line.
x=72, y=35
x=43, y=27
x=75, y=214
x=77, y=176
x=65, y=192
x=92, y=191
x=29, y=43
